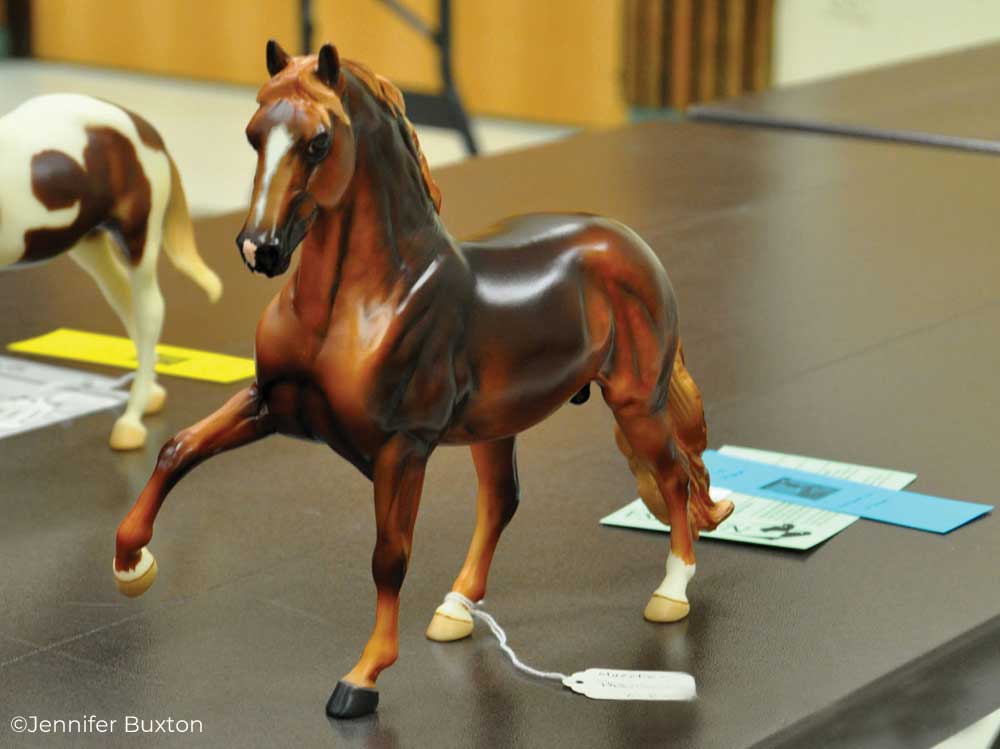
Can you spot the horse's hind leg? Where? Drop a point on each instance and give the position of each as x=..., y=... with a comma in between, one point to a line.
x=147, y=311
x=99, y=257
x=96, y=254
x=661, y=471
x=496, y=467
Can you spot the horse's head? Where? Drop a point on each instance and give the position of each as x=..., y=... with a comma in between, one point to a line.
x=305, y=155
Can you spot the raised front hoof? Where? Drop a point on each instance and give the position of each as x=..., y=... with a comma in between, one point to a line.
x=663, y=609
x=444, y=628
x=136, y=581
x=127, y=435
x=350, y=701
x=157, y=400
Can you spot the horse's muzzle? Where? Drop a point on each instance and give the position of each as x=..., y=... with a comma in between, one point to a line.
x=271, y=254
x=266, y=258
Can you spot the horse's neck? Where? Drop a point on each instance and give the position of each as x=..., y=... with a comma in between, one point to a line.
x=382, y=235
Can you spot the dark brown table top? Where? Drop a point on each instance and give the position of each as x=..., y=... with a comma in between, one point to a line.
x=945, y=100
x=839, y=298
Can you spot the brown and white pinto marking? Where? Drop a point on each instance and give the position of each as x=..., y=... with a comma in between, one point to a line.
x=86, y=177
x=391, y=338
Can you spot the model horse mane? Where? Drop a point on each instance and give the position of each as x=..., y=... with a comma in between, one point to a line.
x=298, y=80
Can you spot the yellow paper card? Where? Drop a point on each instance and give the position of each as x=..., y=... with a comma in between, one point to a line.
x=116, y=351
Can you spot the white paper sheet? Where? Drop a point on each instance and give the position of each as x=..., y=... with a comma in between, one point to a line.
x=755, y=520
x=883, y=477
x=36, y=395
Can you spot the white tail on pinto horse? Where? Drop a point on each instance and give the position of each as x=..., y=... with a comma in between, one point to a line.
x=84, y=176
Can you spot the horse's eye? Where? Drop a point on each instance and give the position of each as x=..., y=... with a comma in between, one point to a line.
x=318, y=147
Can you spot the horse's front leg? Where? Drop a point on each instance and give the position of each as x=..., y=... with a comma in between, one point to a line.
x=399, y=479
x=243, y=419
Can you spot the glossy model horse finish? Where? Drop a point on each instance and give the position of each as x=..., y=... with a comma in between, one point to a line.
x=83, y=176
x=391, y=338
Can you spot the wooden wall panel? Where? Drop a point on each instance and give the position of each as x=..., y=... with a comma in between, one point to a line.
x=735, y=51
x=558, y=60
x=679, y=52
x=708, y=49
x=213, y=39
x=368, y=31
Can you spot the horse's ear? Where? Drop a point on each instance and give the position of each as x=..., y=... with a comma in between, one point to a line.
x=328, y=69
x=277, y=58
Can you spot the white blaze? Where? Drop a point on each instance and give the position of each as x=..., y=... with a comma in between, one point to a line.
x=276, y=145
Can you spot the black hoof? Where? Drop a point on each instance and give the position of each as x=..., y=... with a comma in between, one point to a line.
x=349, y=701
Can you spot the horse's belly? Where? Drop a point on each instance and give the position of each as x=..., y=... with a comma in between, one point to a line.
x=517, y=383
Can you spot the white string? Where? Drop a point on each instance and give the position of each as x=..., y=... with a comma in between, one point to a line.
x=501, y=636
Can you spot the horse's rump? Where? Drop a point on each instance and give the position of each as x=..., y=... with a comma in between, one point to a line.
x=82, y=165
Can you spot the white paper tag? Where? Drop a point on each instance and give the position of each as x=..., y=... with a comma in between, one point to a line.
x=619, y=684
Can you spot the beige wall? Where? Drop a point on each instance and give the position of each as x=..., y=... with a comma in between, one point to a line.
x=819, y=38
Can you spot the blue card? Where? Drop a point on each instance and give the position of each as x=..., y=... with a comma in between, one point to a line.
x=826, y=493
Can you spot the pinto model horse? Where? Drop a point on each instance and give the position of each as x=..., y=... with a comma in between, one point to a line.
x=391, y=338
x=83, y=176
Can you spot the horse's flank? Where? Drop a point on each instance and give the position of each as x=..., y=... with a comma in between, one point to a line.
x=72, y=164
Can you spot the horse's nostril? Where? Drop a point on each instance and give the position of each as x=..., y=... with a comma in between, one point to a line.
x=266, y=258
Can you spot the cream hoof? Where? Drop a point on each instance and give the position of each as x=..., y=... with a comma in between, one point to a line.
x=452, y=621
x=136, y=581
x=663, y=609
x=157, y=399
x=127, y=435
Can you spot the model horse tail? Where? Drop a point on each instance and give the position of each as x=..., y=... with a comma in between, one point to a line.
x=687, y=417
x=178, y=239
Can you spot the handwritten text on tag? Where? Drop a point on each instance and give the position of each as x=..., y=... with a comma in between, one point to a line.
x=618, y=684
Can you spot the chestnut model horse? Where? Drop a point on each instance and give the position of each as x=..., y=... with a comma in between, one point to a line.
x=391, y=338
